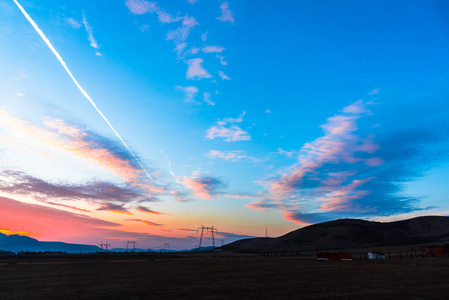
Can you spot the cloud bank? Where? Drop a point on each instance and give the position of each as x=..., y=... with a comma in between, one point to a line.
x=355, y=169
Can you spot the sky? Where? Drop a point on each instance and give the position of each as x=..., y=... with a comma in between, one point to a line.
x=136, y=120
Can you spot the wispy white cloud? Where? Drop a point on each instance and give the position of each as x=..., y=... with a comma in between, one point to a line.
x=140, y=7
x=227, y=155
x=289, y=154
x=193, y=50
x=227, y=130
x=226, y=14
x=180, y=34
x=223, y=76
x=268, y=111
x=213, y=49
x=165, y=17
x=373, y=92
x=222, y=61
x=90, y=36
x=195, y=69
x=204, y=36
x=192, y=1
x=73, y=23
x=190, y=92
x=144, y=27
x=207, y=98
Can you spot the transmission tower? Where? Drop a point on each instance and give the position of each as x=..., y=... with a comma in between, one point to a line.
x=133, y=243
x=104, y=247
x=166, y=246
x=208, y=229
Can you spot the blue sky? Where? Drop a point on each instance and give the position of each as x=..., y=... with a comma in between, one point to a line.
x=245, y=115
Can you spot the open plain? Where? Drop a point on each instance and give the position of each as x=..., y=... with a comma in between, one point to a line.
x=221, y=276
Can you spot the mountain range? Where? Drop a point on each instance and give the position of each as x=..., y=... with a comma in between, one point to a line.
x=17, y=243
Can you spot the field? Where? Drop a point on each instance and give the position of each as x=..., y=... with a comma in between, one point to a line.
x=221, y=276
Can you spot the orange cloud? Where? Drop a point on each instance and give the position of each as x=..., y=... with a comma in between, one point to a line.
x=203, y=187
x=145, y=222
x=149, y=211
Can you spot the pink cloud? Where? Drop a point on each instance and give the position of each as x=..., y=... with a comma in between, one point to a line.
x=145, y=222
x=290, y=216
x=310, y=185
x=227, y=129
x=213, y=49
x=190, y=92
x=196, y=70
x=227, y=155
x=207, y=98
x=149, y=211
x=226, y=14
x=232, y=133
x=340, y=199
x=140, y=7
x=222, y=61
x=203, y=187
x=61, y=137
x=223, y=76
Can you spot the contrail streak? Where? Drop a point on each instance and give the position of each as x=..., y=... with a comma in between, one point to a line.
x=47, y=41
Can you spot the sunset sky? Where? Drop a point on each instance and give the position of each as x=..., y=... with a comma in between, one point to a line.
x=139, y=120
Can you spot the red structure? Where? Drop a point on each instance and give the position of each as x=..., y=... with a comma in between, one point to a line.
x=436, y=251
x=334, y=256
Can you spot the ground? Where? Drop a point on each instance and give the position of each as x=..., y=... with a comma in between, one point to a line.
x=221, y=276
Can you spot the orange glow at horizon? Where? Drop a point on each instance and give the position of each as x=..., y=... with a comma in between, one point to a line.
x=10, y=232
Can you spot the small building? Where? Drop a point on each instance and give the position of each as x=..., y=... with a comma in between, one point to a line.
x=345, y=256
x=436, y=251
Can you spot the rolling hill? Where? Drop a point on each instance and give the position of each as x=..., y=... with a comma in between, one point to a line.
x=351, y=234
x=16, y=243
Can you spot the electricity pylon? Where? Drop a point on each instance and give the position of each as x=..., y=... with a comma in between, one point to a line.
x=128, y=243
x=106, y=246
x=211, y=229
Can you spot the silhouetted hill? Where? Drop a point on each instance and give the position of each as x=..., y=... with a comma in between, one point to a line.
x=16, y=243
x=352, y=234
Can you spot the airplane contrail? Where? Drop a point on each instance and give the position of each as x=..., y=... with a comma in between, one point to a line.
x=47, y=41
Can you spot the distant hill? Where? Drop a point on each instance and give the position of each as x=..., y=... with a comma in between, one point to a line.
x=16, y=243
x=351, y=234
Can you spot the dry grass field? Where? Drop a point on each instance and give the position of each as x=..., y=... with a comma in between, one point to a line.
x=222, y=276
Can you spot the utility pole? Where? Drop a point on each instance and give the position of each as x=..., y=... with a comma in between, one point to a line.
x=211, y=229
x=266, y=232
